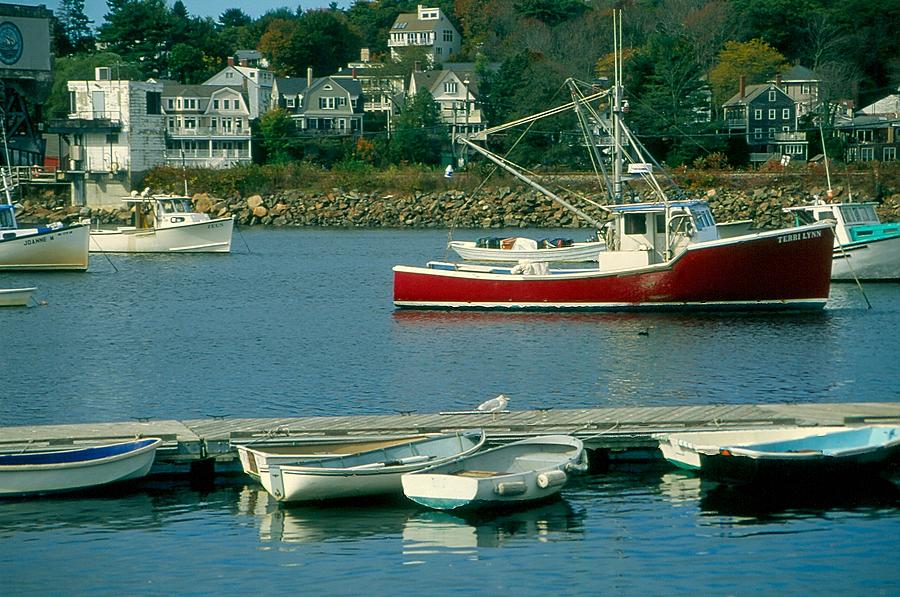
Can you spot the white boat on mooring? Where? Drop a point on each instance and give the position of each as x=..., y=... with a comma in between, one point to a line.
x=38, y=472
x=525, y=471
x=55, y=246
x=376, y=472
x=15, y=297
x=165, y=224
x=865, y=248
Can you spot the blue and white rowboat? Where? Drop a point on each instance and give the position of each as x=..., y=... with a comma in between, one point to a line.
x=70, y=470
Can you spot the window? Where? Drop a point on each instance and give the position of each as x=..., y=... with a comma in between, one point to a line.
x=342, y=101
x=170, y=104
x=635, y=224
x=438, y=50
x=171, y=122
x=786, y=113
x=889, y=154
x=112, y=138
x=785, y=129
x=757, y=133
x=448, y=35
x=772, y=95
x=190, y=123
x=451, y=87
x=178, y=103
x=73, y=105
x=806, y=89
x=864, y=135
x=226, y=104
x=353, y=103
x=289, y=102
x=252, y=75
x=326, y=103
x=866, y=154
x=213, y=123
x=771, y=132
x=215, y=104
x=772, y=114
x=154, y=102
x=757, y=114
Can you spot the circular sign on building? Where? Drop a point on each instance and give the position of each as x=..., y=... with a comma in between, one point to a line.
x=10, y=43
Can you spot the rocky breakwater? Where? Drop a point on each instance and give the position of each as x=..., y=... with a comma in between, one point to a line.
x=502, y=207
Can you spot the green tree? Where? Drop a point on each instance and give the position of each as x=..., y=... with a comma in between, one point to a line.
x=551, y=12
x=755, y=59
x=75, y=25
x=278, y=135
x=419, y=133
x=140, y=32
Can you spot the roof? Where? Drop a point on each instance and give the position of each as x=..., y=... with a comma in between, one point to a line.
x=410, y=22
x=247, y=55
x=290, y=85
x=886, y=105
x=799, y=73
x=751, y=92
x=644, y=207
x=179, y=90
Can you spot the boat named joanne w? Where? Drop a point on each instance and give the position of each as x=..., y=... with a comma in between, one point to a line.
x=45, y=471
x=529, y=470
x=55, y=246
x=376, y=472
x=165, y=224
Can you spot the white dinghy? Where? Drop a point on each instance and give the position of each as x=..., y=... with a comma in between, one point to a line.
x=256, y=458
x=523, y=471
x=15, y=297
x=46, y=471
x=376, y=472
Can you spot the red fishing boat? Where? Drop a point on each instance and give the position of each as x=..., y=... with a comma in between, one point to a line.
x=660, y=255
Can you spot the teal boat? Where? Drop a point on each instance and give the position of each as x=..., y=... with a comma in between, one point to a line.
x=864, y=247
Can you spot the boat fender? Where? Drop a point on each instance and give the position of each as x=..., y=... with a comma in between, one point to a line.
x=551, y=479
x=510, y=488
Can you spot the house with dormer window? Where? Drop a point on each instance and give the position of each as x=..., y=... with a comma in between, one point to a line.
x=255, y=82
x=767, y=117
x=427, y=28
x=801, y=85
x=207, y=126
x=873, y=133
x=324, y=105
x=455, y=91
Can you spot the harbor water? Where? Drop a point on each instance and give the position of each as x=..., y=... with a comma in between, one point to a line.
x=299, y=322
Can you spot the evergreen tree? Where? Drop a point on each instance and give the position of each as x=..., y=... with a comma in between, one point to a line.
x=75, y=25
x=140, y=32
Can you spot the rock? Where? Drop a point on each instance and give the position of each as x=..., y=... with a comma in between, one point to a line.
x=254, y=201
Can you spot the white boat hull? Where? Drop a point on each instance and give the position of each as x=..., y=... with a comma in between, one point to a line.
x=684, y=449
x=39, y=249
x=71, y=476
x=15, y=297
x=525, y=471
x=874, y=260
x=211, y=236
x=376, y=472
x=256, y=460
x=587, y=251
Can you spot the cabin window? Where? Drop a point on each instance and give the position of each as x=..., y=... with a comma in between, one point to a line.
x=660, y=223
x=635, y=224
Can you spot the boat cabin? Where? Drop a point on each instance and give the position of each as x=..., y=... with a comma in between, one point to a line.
x=648, y=233
x=855, y=222
x=163, y=211
x=7, y=217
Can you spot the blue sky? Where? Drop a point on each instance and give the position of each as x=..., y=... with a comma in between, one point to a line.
x=95, y=9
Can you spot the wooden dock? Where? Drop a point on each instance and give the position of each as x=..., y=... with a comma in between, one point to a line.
x=616, y=433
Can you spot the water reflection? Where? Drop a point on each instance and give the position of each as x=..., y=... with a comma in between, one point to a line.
x=431, y=532
x=760, y=505
x=314, y=523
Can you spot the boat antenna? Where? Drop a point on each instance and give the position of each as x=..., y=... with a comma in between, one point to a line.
x=825, y=157
x=618, y=62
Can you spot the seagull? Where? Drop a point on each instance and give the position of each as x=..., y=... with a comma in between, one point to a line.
x=494, y=405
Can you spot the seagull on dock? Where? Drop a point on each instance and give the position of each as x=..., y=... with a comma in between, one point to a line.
x=494, y=405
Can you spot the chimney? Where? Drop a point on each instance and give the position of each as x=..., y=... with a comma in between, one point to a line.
x=353, y=73
x=778, y=80
x=743, y=86
x=309, y=76
x=231, y=61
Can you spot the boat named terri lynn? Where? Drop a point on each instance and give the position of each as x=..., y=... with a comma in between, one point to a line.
x=165, y=224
